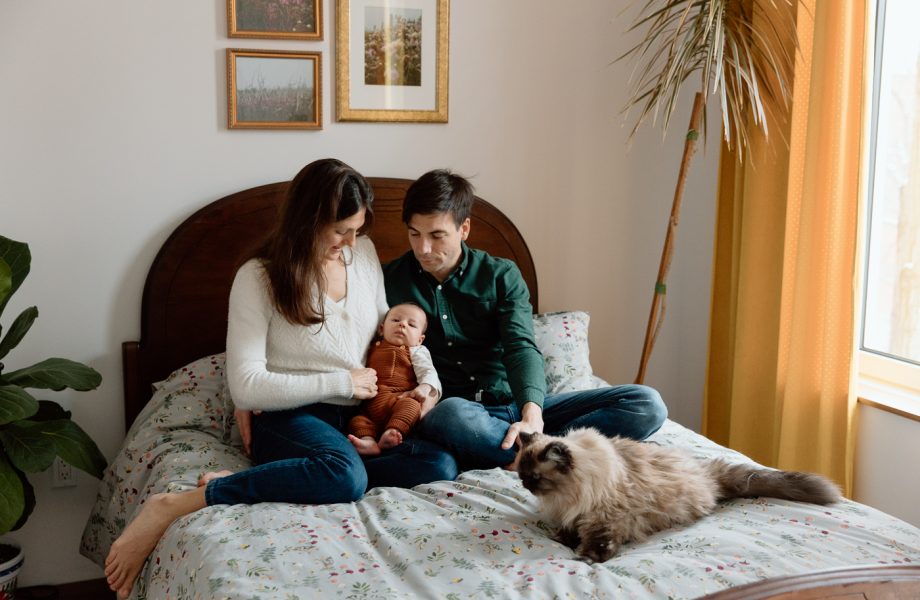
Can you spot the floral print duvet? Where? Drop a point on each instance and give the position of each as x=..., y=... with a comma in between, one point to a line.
x=481, y=536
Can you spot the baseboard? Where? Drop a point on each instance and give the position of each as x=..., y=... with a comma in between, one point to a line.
x=92, y=589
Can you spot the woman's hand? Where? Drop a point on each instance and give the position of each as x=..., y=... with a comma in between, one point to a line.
x=244, y=422
x=364, y=383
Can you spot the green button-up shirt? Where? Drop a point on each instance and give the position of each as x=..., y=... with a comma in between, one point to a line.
x=480, y=326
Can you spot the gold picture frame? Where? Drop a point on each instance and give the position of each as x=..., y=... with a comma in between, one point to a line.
x=391, y=61
x=274, y=89
x=277, y=19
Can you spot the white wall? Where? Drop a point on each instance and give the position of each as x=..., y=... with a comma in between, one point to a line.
x=112, y=131
x=887, y=445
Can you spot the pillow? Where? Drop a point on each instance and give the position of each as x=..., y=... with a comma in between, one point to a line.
x=562, y=337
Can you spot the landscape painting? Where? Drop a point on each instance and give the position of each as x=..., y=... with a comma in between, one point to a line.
x=274, y=89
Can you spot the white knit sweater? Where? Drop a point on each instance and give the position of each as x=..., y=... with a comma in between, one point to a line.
x=274, y=365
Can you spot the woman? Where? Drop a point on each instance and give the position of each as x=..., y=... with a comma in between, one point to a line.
x=302, y=314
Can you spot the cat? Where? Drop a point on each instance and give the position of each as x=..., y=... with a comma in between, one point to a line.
x=604, y=491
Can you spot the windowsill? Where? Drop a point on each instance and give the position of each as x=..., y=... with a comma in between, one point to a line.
x=900, y=401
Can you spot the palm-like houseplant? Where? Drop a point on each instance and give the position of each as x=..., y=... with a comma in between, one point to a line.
x=34, y=432
x=741, y=50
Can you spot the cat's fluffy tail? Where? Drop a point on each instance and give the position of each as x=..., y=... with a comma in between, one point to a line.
x=745, y=481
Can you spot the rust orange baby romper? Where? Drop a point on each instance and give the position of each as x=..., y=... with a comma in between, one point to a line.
x=395, y=376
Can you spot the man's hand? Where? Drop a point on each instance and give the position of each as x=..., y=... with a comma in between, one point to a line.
x=531, y=422
x=426, y=395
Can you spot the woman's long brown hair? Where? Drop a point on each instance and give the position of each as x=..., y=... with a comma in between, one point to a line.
x=325, y=191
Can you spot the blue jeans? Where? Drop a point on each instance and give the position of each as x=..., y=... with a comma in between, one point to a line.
x=303, y=457
x=474, y=432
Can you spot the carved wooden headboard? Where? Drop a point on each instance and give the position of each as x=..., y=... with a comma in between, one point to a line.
x=184, y=309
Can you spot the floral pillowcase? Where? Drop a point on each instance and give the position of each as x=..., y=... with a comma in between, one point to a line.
x=562, y=337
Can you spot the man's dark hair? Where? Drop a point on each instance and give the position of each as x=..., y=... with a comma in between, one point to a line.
x=439, y=191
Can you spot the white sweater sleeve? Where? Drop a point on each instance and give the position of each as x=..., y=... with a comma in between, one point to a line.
x=424, y=368
x=252, y=385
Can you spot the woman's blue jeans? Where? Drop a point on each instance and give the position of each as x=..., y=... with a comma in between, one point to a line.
x=303, y=457
x=473, y=432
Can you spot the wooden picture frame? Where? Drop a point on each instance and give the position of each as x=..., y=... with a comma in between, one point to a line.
x=392, y=60
x=268, y=89
x=278, y=19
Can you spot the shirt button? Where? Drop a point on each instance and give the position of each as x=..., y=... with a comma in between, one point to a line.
x=439, y=287
x=459, y=362
x=444, y=317
x=450, y=343
x=472, y=378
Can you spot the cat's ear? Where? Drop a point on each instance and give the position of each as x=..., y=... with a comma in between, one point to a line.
x=558, y=454
x=526, y=438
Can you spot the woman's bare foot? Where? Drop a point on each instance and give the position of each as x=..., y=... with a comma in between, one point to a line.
x=203, y=481
x=390, y=439
x=140, y=537
x=366, y=446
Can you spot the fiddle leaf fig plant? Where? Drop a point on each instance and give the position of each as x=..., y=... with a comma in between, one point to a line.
x=33, y=432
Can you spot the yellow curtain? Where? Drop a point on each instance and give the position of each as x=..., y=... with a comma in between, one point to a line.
x=783, y=310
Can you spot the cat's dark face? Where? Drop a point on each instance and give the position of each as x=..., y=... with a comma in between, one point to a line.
x=545, y=463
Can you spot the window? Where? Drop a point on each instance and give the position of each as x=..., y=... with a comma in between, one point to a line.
x=890, y=340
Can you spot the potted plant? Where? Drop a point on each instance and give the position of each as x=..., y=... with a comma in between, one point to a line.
x=33, y=432
x=741, y=50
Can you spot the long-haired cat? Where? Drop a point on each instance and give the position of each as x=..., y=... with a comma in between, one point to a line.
x=603, y=492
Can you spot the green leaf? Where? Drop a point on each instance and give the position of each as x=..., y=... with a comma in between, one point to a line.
x=28, y=494
x=15, y=404
x=17, y=257
x=18, y=330
x=32, y=446
x=48, y=411
x=29, y=447
x=77, y=448
x=56, y=374
x=6, y=280
x=12, y=499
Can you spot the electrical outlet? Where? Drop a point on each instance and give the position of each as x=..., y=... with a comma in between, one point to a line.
x=62, y=474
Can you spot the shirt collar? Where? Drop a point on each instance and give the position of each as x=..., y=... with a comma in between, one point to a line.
x=458, y=271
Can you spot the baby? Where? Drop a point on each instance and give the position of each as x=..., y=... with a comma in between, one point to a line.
x=405, y=377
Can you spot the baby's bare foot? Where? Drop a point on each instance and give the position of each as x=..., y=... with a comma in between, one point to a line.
x=366, y=446
x=390, y=439
x=213, y=475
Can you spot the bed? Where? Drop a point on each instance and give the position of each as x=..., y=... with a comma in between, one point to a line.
x=481, y=536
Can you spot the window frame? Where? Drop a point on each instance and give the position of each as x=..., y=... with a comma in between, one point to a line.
x=882, y=377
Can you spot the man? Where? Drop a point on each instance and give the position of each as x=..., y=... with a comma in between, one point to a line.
x=480, y=336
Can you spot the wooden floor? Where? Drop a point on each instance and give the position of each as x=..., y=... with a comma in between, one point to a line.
x=94, y=589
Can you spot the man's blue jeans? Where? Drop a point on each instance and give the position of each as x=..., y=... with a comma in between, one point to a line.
x=303, y=457
x=474, y=432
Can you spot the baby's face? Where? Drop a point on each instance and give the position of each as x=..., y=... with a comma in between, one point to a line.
x=404, y=325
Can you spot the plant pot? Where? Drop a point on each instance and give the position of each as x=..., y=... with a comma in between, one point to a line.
x=9, y=569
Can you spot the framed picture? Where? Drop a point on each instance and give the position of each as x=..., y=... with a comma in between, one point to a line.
x=281, y=19
x=391, y=60
x=274, y=89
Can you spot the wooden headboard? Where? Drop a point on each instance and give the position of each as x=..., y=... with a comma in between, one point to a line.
x=184, y=309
